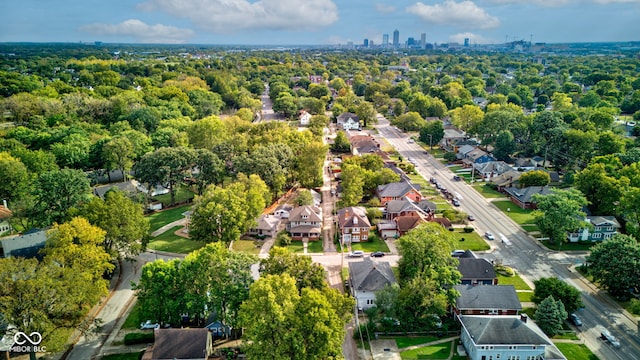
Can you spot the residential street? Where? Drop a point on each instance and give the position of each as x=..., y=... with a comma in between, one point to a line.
x=529, y=258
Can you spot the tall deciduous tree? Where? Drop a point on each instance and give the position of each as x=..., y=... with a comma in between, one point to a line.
x=219, y=215
x=534, y=178
x=615, y=264
x=567, y=294
x=166, y=167
x=559, y=213
x=366, y=113
x=432, y=133
x=58, y=191
x=341, y=143
x=118, y=153
x=210, y=169
x=161, y=292
x=123, y=220
x=14, y=178
x=301, y=268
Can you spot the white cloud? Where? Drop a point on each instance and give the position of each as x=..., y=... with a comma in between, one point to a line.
x=142, y=32
x=226, y=16
x=385, y=9
x=464, y=14
x=473, y=38
x=615, y=1
x=545, y=3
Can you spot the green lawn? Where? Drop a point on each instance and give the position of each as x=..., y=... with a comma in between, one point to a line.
x=375, y=243
x=182, y=194
x=576, y=351
x=161, y=218
x=247, y=246
x=516, y=281
x=406, y=341
x=587, y=245
x=530, y=228
x=170, y=242
x=487, y=191
x=133, y=319
x=525, y=296
x=519, y=215
x=128, y=356
x=472, y=241
x=312, y=247
x=439, y=351
x=567, y=335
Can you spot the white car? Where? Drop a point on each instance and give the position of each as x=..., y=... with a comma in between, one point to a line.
x=149, y=325
x=356, y=253
x=489, y=235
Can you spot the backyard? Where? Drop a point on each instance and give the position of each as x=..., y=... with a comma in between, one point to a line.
x=247, y=246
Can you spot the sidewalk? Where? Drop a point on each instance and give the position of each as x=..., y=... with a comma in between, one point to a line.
x=165, y=228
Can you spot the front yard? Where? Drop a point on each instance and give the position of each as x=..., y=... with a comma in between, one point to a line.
x=472, y=241
x=517, y=214
x=375, y=243
x=170, y=242
x=161, y=218
x=576, y=351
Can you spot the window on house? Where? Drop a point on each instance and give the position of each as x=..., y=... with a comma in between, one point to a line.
x=596, y=235
x=610, y=228
x=607, y=236
x=355, y=230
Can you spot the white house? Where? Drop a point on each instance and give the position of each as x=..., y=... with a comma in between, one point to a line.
x=505, y=337
x=348, y=121
x=366, y=277
x=305, y=118
x=283, y=211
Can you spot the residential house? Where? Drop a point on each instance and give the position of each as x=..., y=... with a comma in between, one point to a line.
x=603, y=228
x=26, y=245
x=305, y=118
x=266, y=226
x=157, y=190
x=316, y=196
x=305, y=223
x=5, y=215
x=366, y=277
x=127, y=187
x=506, y=179
x=348, y=121
x=407, y=207
x=283, y=211
x=476, y=156
x=523, y=197
x=451, y=137
x=181, y=344
x=487, y=170
x=464, y=150
x=477, y=272
x=363, y=144
x=353, y=224
x=446, y=223
x=398, y=190
x=525, y=164
x=487, y=300
x=387, y=229
x=406, y=223
x=507, y=337
x=218, y=330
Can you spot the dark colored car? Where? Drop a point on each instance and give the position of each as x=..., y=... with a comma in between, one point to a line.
x=457, y=178
x=471, y=218
x=377, y=254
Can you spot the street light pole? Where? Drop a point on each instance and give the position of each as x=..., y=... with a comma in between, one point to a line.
x=430, y=140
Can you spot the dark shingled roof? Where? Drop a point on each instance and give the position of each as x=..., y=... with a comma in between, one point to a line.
x=397, y=189
x=476, y=268
x=503, y=330
x=487, y=297
x=370, y=275
x=180, y=343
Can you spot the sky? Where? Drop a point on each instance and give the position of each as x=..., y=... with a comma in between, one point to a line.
x=317, y=22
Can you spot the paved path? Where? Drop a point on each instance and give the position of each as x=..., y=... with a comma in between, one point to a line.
x=165, y=228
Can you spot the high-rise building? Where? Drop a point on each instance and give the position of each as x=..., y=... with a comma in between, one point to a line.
x=466, y=41
x=423, y=40
x=366, y=43
x=385, y=40
x=396, y=38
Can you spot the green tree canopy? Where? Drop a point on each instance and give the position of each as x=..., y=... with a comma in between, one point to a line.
x=550, y=315
x=559, y=213
x=567, y=294
x=615, y=263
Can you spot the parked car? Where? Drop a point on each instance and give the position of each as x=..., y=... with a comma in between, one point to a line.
x=575, y=319
x=471, y=218
x=356, y=253
x=457, y=253
x=377, y=254
x=489, y=235
x=147, y=325
x=433, y=180
x=455, y=202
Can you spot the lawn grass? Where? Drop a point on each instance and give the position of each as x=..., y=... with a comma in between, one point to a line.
x=530, y=228
x=586, y=245
x=525, y=296
x=133, y=319
x=576, y=351
x=375, y=243
x=182, y=194
x=472, y=241
x=247, y=246
x=127, y=356
x=170, y=242
x=312, y=247
x=487, y=191
x=405, y=341
x=161, y=218
x=439, y=351
x=567, y=335
x=515, y=280
x=519, y=215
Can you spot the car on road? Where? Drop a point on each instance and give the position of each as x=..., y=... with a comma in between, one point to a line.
x=356, y=253
x=377, y=254
x=489, y=235
x=433, y=180
x=147, y=325
x=471, y=218
x=455, y=202
x=575, y=319
x=410, y=141
x=606, y=335
x=456, y=178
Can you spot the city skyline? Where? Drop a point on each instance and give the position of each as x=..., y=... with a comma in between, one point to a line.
x=319, y=22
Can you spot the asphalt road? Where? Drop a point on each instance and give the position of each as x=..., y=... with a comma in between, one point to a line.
x=529, y=258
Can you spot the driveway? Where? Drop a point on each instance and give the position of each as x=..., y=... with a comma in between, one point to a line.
x=385, y=350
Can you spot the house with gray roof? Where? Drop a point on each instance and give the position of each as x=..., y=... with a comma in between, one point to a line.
x=26, y=245
x=397, y=191
x=477, y=156
x=348, y=121
x=523, y=197
x=477, y=272
x=488, y=170
x=366, y=277
x=127, y=187
x=487, y=300
x=407, y=207
x=266, y=226
x=180, y=344
x=602, y=228
x=506, y=179
x=305, y=223
x=505, y=337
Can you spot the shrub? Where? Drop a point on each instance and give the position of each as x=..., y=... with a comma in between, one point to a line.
x=468, y=229
x=634, y=307
x=283, y=238
x=138, y=338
